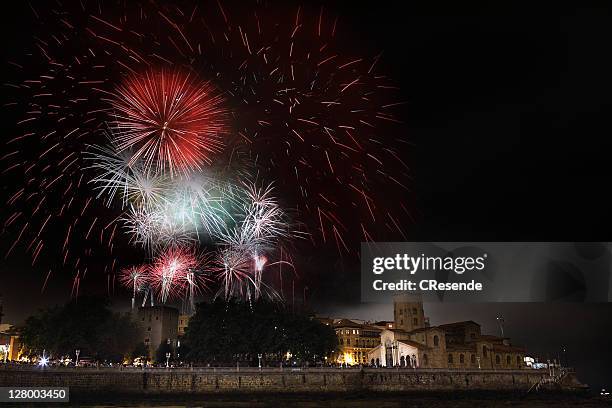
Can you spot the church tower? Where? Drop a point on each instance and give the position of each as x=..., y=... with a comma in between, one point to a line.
x=408, y=312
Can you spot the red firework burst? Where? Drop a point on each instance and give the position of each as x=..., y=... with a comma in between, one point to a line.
x=168, y=273
x=134, y=277
x=169, y=120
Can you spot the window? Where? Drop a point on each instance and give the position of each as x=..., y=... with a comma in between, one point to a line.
x=401, y=321
x=450, y=359
x=436, y=341
x=473, y=359
x=461, y=358
x=149, y=329
x=425, y=360
x=348, y=342
x=414, y=311
x=518, y=360
x=416, y=321
x=401, y=312
x=472, y=336
x=497, y=359
x=484, y=351
x=508, y=360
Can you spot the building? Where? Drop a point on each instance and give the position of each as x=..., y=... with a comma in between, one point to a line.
x=158, y=323
x=10, y=342
x=183, y=322
x=410, y=341
x=408, y=313
x=355, y=339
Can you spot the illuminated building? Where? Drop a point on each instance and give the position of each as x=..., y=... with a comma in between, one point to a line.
x=355, y=339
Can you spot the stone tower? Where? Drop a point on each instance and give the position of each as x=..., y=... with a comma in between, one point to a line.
x=408, y=312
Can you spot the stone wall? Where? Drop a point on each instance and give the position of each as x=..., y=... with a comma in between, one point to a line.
x=159, y=381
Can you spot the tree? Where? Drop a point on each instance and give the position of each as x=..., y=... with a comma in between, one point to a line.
x=162, y=350
x=86, y=324
x=140, y=351
x=223, y=332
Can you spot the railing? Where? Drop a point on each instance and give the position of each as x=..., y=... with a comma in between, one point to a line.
x=551, y=379
x=245, y=369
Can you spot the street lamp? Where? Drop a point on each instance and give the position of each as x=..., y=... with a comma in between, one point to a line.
x=500, y=320
x=44, y=360
x=167, y=359
x=478, y=360
x=77, y=352
x=259, y=356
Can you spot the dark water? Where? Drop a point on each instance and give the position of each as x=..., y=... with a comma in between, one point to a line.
x=355, y=401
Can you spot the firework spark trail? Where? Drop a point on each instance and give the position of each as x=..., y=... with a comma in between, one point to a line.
x=311, y=118
x=168, y=120
x=135, y=278
x=167, y=274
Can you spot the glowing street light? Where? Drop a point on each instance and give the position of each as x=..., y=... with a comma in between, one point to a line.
x=167, y=359
x=77, y=352
x=259, y=356
x=44, y=361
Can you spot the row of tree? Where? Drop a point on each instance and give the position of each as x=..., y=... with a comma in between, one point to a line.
x=219, y=333
x=86, y=324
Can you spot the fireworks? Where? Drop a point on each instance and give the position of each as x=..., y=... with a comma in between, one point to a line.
x=176, y=128
x=136, y=278
x=169, y=271
x=168, y=120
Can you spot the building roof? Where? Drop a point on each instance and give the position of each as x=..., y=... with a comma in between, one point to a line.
x=491, y=338
x=414, y=344
x=457, y=324
x=501, y=348
x=424, y=329
x=347, y=323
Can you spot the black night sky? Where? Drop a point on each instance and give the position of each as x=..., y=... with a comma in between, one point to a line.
x=508, y=119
